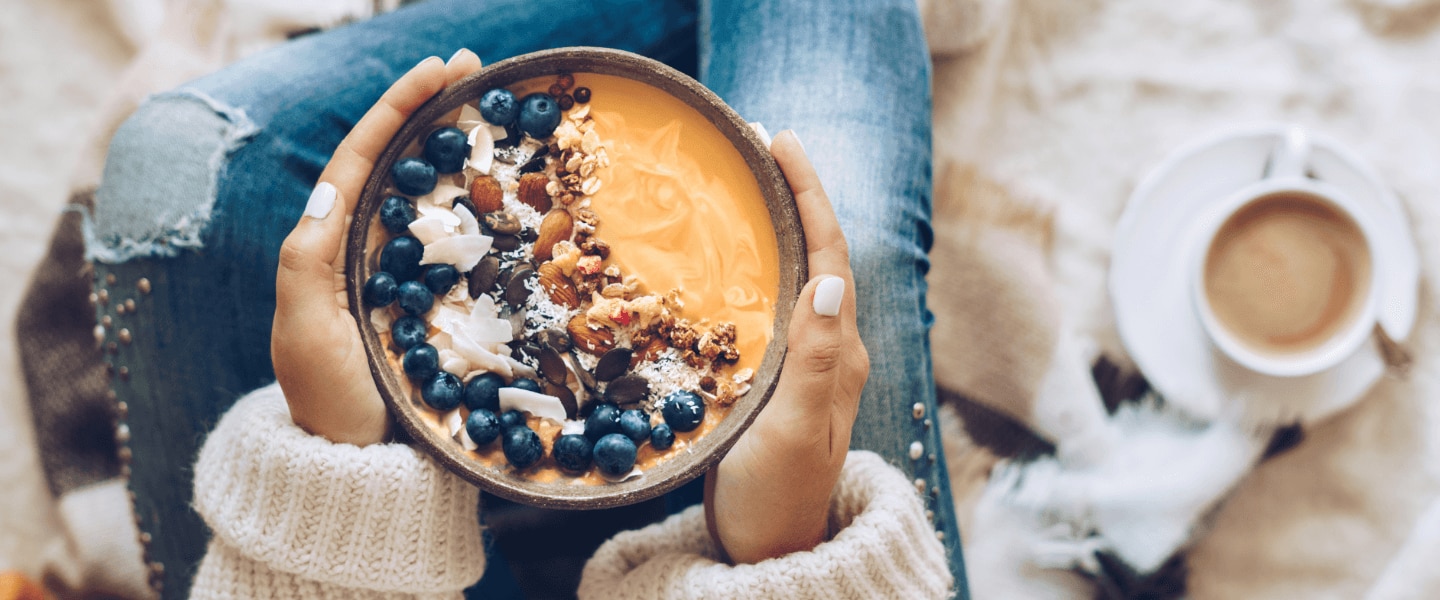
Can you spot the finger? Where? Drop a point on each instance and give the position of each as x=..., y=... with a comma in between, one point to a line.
x=356, y=155
x=817, y=345
x=825, y=244
x=463, y=63
x=305, y=282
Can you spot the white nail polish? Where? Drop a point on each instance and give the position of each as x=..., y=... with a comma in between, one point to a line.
x=322, y=200
x=454, y=56
x=828, y=294
x=760, y=131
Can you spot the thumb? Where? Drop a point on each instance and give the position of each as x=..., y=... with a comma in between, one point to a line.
x=305, y=281
x=817, y=341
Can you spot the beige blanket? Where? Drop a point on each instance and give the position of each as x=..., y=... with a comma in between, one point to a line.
x=1067, y=104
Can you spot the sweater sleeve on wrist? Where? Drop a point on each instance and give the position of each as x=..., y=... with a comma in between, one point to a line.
x=382, y=518
x=883, y=548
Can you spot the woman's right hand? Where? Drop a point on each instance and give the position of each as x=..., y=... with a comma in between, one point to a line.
x=320, y=361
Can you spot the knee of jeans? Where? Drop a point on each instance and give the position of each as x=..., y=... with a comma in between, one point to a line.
x=158, y=189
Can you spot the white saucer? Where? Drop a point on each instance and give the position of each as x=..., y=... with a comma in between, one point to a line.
x=1149, y=286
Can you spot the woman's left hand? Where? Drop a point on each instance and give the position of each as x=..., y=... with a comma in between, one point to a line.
x=770, y=495
x=315, y=345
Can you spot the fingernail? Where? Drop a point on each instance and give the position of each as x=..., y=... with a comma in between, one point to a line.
x=455, y=56
x=760, y=131
x=828, y=294
x=797, y=140
x=322, y=200
x=427, y=59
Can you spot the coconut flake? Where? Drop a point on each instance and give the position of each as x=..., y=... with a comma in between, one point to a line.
x=442, y=196
x=487, y=332
x=469, y=117
x=381, y=318
x=634, y=472
x=490, y=331
x=447, y=319
x=457, y=296
x=451, y=362
x=482, y=149
x=480, y=358
x=468, y=224
x=453, y=422
x=443, y=214
x=484, y=308
x=466, y=443
x=540, y=405
x=429, y=229
x=440, y=341
x=463, y=251
x=572, y=428
x=521, y=369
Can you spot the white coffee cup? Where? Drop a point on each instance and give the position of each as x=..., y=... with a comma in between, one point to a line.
x=1287, y=175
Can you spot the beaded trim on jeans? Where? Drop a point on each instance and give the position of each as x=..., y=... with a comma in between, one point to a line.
x=110, y=334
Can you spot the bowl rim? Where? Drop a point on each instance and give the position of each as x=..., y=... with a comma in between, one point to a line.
x=785, y=221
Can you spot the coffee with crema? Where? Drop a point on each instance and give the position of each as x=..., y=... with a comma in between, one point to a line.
x=1286, y=273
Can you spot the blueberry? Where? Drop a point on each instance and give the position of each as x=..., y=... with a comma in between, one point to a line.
x=415, y=298
x=529, y=385
x=447, y=148
x=413, y=176
x=401, y=257
x=635, y=424
x=539, y=115
x=498, y=107
x=615, y=454
x=396, y=214
x=440, y=278
x=572, y=452
x=521, y=445
x=408, y=332
x=683, y=411
x=442, y=392
x=511, y=418
x=483, y=426
x=379, y=289
x=421, y=362
x=603, y=421
x=483, y=392
x=661, y=437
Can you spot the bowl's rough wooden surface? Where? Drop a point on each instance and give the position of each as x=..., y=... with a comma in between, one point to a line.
x=783, y=214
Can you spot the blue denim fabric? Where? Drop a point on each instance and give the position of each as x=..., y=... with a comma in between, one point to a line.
x=204, y=182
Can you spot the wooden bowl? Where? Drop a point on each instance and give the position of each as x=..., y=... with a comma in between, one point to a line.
x=364, y=242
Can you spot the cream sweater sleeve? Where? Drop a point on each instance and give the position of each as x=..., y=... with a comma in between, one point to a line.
x=884, y=548
x=295, y=516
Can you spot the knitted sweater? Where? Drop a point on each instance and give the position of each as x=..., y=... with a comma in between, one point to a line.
x=296, y=516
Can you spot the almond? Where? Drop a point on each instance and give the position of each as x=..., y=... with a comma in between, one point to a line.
x=555, y=228
x=532, y=191
x=650, y=353
x=594, y=341
x=486, y=195
x=550, y=268
x=558, y=286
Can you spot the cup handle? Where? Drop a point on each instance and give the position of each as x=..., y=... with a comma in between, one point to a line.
x=1290, y=157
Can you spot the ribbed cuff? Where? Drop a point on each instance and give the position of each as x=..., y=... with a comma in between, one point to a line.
x=383, y=517
x=884, y=548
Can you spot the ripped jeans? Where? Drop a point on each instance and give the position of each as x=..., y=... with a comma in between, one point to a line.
x=204, y=182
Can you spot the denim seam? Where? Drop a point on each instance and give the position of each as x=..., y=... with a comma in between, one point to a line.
x=185, y=232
